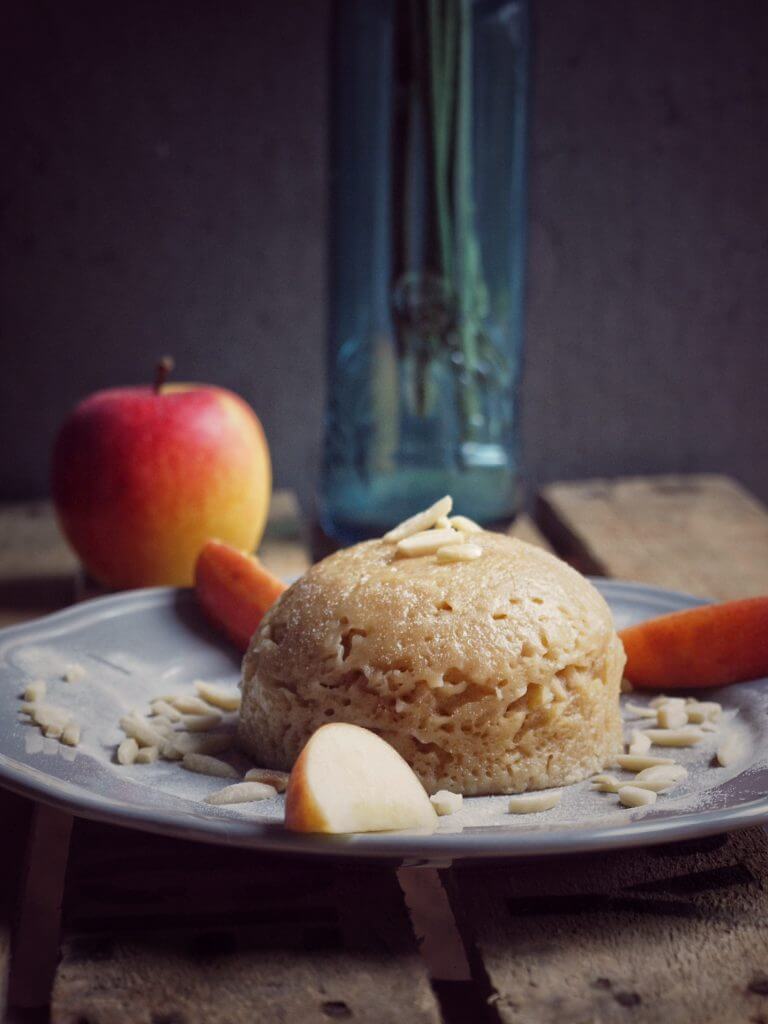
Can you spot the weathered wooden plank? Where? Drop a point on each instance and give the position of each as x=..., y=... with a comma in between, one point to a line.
x=36, y=933
x=15, y=817
x=160, y=929
x=674, y=933
x=703, y=534
x=525, y=529
x=37, y=569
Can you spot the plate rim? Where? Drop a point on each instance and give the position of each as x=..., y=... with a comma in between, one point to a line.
x=405, y=848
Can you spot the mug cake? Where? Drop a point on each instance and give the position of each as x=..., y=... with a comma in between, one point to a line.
x=489, y=664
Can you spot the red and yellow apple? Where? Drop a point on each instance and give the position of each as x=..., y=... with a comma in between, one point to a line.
x=142, y=477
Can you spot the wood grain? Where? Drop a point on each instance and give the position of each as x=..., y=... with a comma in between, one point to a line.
x=673, y=934
x=37, y=569
x=703, y=534
x=15, y=815
x=164, y=930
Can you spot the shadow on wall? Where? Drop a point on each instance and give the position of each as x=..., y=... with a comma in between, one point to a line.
x=164, y=190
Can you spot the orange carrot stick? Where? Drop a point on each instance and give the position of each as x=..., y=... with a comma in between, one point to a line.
x=714, y=645
x=234, y=590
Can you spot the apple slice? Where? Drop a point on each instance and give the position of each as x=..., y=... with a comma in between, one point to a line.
x=348, y=779
x=234, y=590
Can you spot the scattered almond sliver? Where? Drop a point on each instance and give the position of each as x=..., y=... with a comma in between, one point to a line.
x=73, y=673
x=127, y=751
x=672, y=716
x=226, y=700
x=639, y=711
x=446, y=802
x=242, y=793
x=639, y=743
x=190, y=705
x=459, y=553
x=162, y=707
x=71, y=734
x=147, y=755
x=636, y=762
x=686, y=737
x=421, y=521
x=464, y=525
x=634, y=796
x=730, y=750
x=140, y=729
x=203, y=764
x=532, y=803
x=660, y=778
x=606, y=783
x=427, y=542
x=49, y=717
x=703, y=711
x=268, y=777
x=35, y=690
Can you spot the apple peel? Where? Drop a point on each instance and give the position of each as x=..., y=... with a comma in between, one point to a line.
x=234, y=590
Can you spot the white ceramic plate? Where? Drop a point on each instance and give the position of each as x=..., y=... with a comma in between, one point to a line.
x=138, y=645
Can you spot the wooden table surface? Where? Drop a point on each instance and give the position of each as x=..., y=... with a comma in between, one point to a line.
x=100, y=925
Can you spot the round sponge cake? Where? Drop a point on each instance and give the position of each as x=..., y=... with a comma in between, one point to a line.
x=495, y=675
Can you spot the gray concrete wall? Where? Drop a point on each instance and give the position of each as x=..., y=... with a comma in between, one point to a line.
x=162, y=189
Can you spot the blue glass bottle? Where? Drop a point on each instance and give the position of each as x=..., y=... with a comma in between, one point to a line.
x=427, y=234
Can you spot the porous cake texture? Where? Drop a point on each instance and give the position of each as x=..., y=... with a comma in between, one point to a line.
x=496, y=675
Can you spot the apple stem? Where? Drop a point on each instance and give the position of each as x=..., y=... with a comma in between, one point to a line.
x=163, y=368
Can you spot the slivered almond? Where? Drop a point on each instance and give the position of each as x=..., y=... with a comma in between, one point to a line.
x=140, y=729
x=634, y=796
x=226, y=700
x=446, y=802
x=606, y=783
x=268, y=777
x=35, y=690
x=464, y=524
x=686, y=737
x=71, y=734
x=49, y=717
x=241, y=793
x=73, y=673
x=660, y=778
x=162, y=707
x=459, y=553
x=206, y=765
x=427, y=542
x=663, y=701
x=730, y=750
x=190, y=705
x=421, y=521
x=639, y=743
x=127, y=751
x=147, y=755
x=639, y=710
x=672, y=716
x=703, y=711
x=636, y=762
x=532, y=803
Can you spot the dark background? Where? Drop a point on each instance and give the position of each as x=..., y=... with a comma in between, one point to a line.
x=162, y=188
